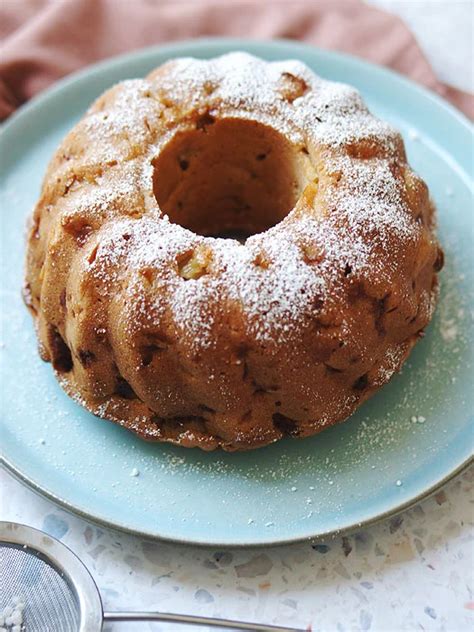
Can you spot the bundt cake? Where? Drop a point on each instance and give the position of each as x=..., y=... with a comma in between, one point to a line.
x=228, y=252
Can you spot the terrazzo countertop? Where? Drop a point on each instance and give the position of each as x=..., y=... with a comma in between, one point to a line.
x=412, y=572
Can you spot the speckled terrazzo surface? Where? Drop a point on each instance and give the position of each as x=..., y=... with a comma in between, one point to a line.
x=412, y=572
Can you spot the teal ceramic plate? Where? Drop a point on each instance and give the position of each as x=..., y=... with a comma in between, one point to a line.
x=401, y=445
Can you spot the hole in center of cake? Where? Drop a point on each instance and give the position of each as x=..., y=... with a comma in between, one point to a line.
x=228, y=177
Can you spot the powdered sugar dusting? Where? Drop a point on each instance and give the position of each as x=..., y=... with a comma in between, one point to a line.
x=328, y=112
x=366, y=216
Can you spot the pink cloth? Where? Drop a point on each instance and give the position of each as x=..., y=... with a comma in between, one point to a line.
x=43, y=40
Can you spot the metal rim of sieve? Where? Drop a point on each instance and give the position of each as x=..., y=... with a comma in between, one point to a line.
x=64, y=562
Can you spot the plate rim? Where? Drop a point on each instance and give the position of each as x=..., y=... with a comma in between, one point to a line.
x=323, y=536
x=181, y=48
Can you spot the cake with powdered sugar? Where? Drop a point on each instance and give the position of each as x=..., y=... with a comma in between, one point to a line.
x=228, y=252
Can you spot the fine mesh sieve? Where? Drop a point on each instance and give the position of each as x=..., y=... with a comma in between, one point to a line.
x=59, y=593
x=50, y=602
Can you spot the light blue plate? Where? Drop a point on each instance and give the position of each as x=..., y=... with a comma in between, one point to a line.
x=400, y=446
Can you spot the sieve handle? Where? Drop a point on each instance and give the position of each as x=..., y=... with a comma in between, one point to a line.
x=192, y=620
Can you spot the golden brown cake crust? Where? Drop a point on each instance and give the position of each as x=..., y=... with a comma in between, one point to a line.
x=180, y=336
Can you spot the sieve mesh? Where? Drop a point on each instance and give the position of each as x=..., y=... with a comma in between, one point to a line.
x=51, y=602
